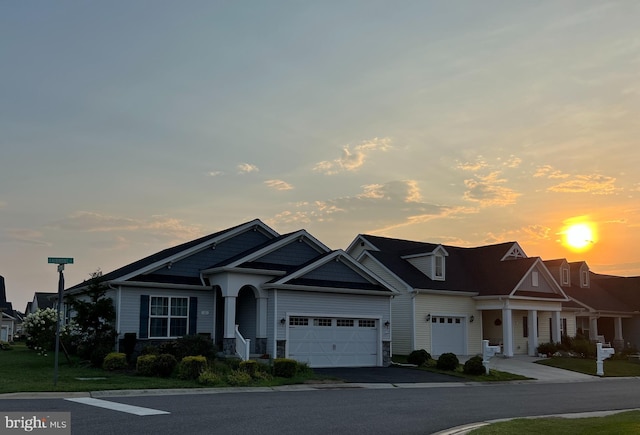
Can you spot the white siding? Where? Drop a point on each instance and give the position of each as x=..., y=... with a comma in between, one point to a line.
x=423, y=264
x=402, y=311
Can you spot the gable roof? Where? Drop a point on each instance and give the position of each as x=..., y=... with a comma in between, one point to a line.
x=607, y=294
x=490, y=270
x=152, y=261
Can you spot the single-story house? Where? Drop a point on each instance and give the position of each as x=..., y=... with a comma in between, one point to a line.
x=8, y=317
x=451, y=298
x=254, y=292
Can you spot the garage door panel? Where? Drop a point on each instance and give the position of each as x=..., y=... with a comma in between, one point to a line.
x=448, y=335
x=333, y=342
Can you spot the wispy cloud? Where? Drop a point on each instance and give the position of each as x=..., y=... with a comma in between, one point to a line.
x=512, y=162
x=246, y=168
x=479, y=164
x=382, y=206
x=594, y=184
x=278, y=185
x=488, y=190
x=26, y=236
x=548, y=171
x=159, y=226
x=214, y=173
x=352, y=160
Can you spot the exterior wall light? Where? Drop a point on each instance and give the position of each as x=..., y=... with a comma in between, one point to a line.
x=428, y=317
x=471, y=319
x=283, y=321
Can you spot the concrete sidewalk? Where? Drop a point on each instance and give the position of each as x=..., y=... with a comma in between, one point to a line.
x=525, y=366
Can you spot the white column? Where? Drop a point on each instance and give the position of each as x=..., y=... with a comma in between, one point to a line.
x=507, y=332
x=229, y=317
x=261, y=317
x=618, y=340
x=532, y=321
x=555, y=327
x=593, y=328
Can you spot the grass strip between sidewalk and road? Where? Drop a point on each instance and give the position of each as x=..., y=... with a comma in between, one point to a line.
x=620, y=423
x=612, y=367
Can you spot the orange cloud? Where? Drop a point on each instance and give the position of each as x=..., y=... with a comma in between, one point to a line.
x=352, y=160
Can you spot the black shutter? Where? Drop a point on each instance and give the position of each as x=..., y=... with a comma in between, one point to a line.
x=193, y=315
x=144, y=317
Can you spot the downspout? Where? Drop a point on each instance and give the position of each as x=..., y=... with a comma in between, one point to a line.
x=275, y=323
x=413, y=319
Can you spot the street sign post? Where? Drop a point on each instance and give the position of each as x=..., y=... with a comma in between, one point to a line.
x=60, y=261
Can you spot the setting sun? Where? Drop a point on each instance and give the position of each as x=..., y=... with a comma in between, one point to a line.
x=579, y=236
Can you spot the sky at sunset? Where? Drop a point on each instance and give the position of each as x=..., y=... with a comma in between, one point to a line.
x=127, y=127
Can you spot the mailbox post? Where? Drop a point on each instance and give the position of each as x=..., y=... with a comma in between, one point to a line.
x=487, y=353
x=602, y=354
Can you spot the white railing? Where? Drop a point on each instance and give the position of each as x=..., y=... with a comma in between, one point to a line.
x=242, y=345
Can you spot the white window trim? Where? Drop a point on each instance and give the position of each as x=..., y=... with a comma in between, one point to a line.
x=436, y=276
x=168, y=316
x=584, y=278
x=565, y=276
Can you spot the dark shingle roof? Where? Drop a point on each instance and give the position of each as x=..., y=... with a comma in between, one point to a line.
x=478, y=269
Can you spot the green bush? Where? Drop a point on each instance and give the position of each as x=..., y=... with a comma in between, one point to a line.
x=146, y=365
x=238, y=378
x=584, y=347
x=303, y=369
x=473, y=366
x=547, y=349
x=192, y=345
x=284, y=367
x=150, y=349
x=115, y=361
x=418, y=357
x=170, y=348
x=164, y=364
x=447, y=361
x=250, y=367
x=209, y=377
x=5, y=346
x=191, y=367
x=99, y=353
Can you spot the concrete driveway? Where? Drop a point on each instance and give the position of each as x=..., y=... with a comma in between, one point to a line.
x=386, y=375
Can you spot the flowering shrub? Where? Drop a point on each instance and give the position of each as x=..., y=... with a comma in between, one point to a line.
x=41, y=330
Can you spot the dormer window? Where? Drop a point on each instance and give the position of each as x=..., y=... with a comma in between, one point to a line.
x=438, y=267
x=584, y=278
x=565, y=276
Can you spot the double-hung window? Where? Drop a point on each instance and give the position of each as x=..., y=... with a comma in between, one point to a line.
x=168, y=316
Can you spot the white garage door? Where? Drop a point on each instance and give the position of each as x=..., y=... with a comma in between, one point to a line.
x=333, y=342
x=447, y=335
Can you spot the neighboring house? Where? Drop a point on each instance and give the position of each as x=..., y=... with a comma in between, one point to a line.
x=7, y=315
x=606, y=307
x=254, y=291
x=451, y=298
x=41, y=301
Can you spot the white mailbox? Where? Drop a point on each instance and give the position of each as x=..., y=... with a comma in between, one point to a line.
x=487, y=353
x=602, y=354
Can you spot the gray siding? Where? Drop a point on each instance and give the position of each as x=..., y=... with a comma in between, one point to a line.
x=129, y=320
x=544, y=286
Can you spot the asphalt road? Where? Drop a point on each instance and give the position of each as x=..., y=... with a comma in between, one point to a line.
x=341, y=411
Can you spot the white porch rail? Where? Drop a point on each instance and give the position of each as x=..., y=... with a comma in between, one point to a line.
x=242, y=345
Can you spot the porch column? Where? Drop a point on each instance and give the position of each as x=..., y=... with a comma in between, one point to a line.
x=593, y=327
x=555, y=327
x=507, y=332
x=261, y=326
x=532, y=324
x=229, y=340
x=618, y=340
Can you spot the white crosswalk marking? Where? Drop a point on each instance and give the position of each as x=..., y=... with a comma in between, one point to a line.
x=137, y=410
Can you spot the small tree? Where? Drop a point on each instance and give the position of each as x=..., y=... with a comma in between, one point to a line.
x=95, y=315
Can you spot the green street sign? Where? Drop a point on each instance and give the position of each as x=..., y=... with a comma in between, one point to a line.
x=60, y=260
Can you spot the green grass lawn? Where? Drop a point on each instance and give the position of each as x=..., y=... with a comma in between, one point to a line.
x=622, y=423
x=493, y=376
x=612, y=367
x=23, y=370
